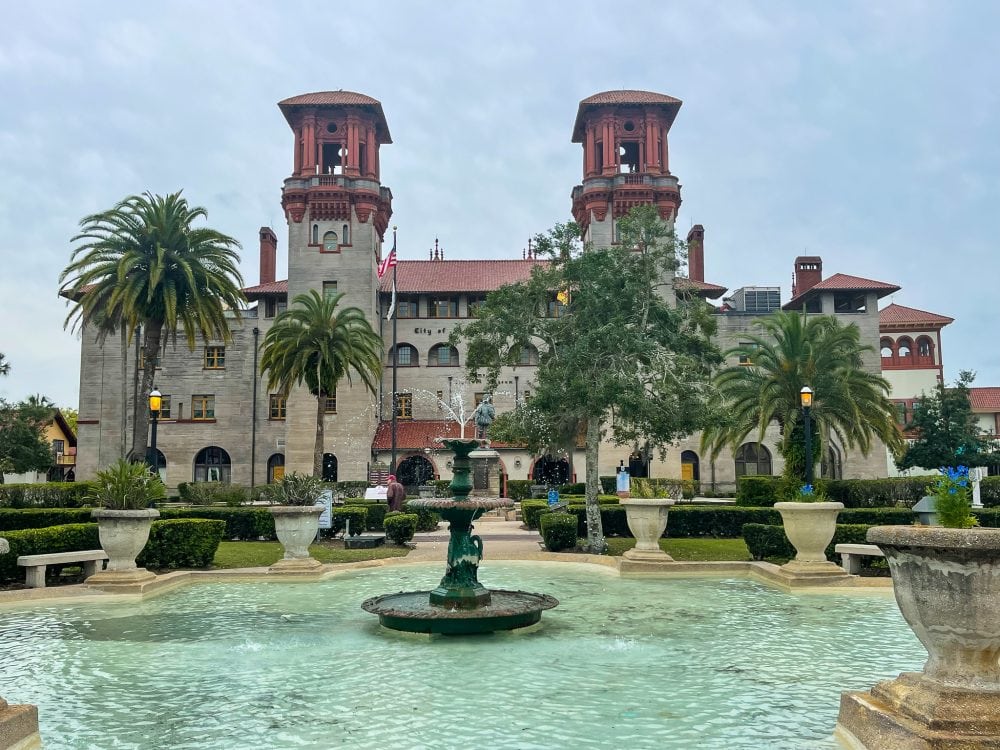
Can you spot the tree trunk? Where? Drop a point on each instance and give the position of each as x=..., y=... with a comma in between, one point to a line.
x=123, y=448
x=320, y=434
x=595, y=531
x=150, y=353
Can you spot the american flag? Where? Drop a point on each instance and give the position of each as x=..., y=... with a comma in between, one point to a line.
x=388, y=262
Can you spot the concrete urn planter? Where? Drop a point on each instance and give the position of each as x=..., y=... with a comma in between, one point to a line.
x=296, y=527
x=947, y=586
x=123, y=534
x=647, y=520
x=810, y=528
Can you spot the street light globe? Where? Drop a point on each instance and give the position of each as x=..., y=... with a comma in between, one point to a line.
x=155, y=400
x=806, y=396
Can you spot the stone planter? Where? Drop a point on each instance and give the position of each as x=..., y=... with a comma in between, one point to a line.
x=123, y=534
x=19, y=727
x=810, y=528
x=947, y=585
x=647, y=519
x=296, y=527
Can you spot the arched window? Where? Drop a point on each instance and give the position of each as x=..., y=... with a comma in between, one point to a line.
x=315, y=239
x=161, y=463
x=925, y=348
x=414, y=471
x=330, y=242
x=346, y=234
x=442, y=355
x=886, y=348
x=832, y=466
x=904, y=349
x=212, y=464
x=690, y=468
x=528, y=355
x=329, y=467
x=275, y=468
x=751, y=459
x=407, y=356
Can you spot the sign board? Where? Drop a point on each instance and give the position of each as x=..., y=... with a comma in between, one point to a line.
x=326, y=517
x=376, y=493
x=553, y=496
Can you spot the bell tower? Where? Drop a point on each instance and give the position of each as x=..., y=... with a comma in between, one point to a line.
x=337, y=212
x=625, y=160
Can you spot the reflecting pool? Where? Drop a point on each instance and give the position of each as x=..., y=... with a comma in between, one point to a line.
x=633, y=663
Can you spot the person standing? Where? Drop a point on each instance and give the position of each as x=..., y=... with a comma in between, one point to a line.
x=395, y=494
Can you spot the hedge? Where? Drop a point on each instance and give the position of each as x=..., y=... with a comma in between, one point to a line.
x=375, y=512
x=248, y=522
x=357, y=514
x=14, y=519
x=530, y=510
x=519, y=489
x=877, y=493
x=601, y=499
x=613, y=520
x=559, y=531
x=174, y=544
x=769, y=542
x=427, y=520
x=182, y=543
x=45, y=494
x=400, y=527
x=756, y=491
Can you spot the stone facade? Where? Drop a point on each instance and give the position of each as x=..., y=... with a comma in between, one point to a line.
x=338, y=215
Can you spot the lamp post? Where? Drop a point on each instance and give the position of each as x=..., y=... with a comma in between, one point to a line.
x=806, y=399
x=155, y=404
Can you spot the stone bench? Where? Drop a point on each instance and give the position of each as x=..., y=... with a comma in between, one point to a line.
x=851, y=554
x=35, y=565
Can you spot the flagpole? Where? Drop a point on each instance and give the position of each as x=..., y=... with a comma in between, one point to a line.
x=395, y=358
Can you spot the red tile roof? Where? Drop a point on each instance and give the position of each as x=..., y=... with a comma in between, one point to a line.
x=271, y=287
x=321, y=98
x=458, y=275
x=985, y=399
x=624, y=97
x=702, y=288
x=845, y=283
x=898, y=316
x=418, y=434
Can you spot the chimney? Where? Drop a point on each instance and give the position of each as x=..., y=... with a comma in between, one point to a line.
x=696, y=253
x=268, y=254
x=808, y=273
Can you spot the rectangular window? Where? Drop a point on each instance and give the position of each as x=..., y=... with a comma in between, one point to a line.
x=164, y=407
x=215, y=357
x=900, y=413
x=404, y=355
x=277, y=407
x=281, y=306
x=270, y=307
x=474, y=304
x=443, y=307
x=527, y=394
x=406, y=308
x=329, y=289
x=58, y=446
x=203, y=407
x=746, y=359
x=330, y=407
x=555, y=309
x=404, y=406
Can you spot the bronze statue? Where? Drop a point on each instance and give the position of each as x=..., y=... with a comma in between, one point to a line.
x=483, y=416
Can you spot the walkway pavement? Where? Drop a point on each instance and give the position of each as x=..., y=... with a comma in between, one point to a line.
x=502, y=540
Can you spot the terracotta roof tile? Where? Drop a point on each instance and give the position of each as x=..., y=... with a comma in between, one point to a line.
x=846, y=283
x=271, y=287
x=985, y=399
x=897, y=315
x=418, y=434
x=458, y=275
x=624, y=97
x=321, y=98
x=702, y=288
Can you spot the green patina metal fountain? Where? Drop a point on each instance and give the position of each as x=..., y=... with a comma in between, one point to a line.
x=460, y=604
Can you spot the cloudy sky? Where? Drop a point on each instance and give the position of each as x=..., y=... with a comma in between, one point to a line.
x=867, y=133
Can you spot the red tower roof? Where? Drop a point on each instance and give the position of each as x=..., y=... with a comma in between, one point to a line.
x=624, y=97
x=337, y=99
x=843, y=282
x=897, y=316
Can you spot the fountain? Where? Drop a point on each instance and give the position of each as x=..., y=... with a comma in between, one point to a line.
x=460, y=604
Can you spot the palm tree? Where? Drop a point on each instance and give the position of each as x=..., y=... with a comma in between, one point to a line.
x=794, y=351
x=143, y=264
x=315, y=343
x=4, y=365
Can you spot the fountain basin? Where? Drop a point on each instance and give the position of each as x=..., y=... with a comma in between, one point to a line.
x=413, y=612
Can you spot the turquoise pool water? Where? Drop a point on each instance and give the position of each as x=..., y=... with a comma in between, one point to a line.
x=621, y=663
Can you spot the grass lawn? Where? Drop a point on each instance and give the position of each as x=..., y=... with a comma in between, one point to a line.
x=690, y=549
x=262, y=554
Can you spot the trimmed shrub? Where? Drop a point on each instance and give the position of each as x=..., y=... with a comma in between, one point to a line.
x=427, y=520
x=68, y=538
x=581, y=499
x=576, y=488
x=769, y=542
x=613, y=520
x=400, y=527
x=609, y=485
x=209, y=493
x=442, y=487
x=182, y=543
x=247, y=522
x=357, y=515
x=559, y=531
x=757, y=491
x=530, y=510
x=45, y=495
x=989, y=491
x=13, y=519
x=375, y=512
x=519, y=489
x=877, y=493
